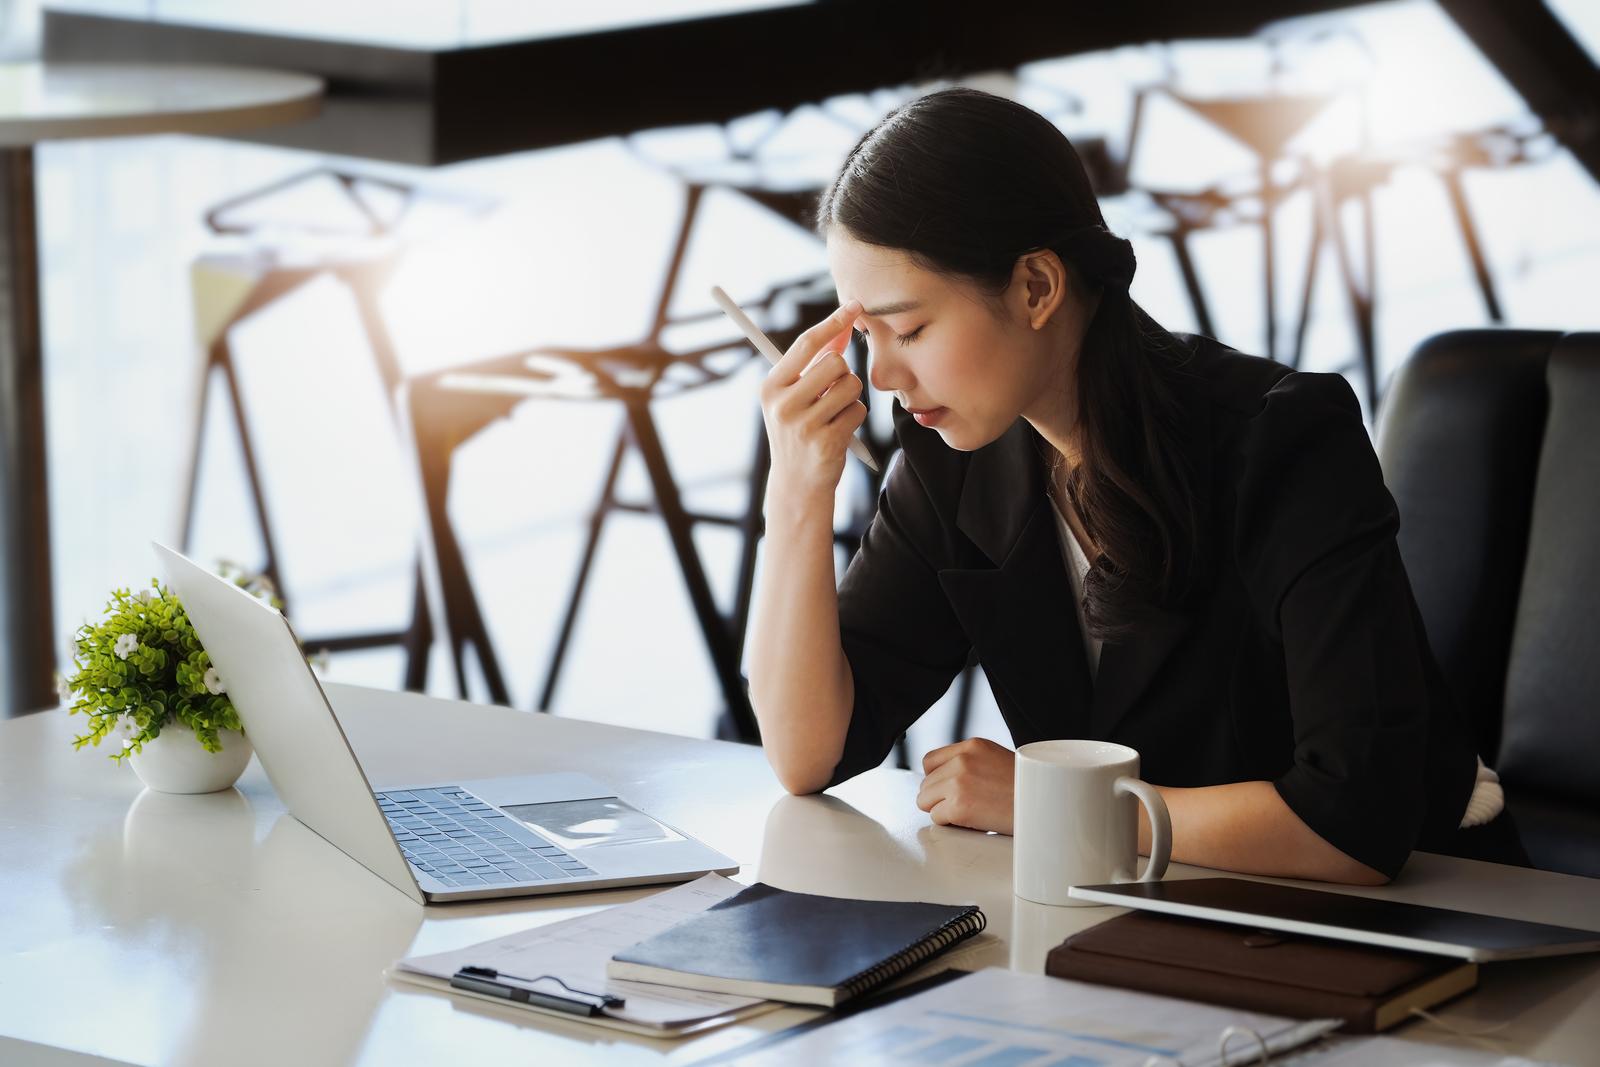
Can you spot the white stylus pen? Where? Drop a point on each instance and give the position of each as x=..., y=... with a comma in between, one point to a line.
x=764, y=345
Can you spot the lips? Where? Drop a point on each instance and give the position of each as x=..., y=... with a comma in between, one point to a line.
x=926, y=416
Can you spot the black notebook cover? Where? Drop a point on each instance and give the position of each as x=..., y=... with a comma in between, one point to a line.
x=797, y=947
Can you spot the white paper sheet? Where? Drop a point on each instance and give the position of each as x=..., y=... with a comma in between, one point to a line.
x=1398, y=1052
x=576, y=951
x=1000, y=1018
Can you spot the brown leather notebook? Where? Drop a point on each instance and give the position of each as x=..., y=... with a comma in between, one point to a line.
x=1371, y=989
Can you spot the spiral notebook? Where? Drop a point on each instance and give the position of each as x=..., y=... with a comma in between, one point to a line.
x=796, y=947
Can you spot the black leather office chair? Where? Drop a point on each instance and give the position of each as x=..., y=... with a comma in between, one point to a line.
x=1490, y=443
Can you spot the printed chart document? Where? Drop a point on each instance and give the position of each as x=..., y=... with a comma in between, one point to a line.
x=998, y=1017
x=576, y=951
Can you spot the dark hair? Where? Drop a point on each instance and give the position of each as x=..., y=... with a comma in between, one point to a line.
x=966, y=183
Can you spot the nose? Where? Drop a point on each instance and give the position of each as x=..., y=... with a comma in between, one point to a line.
x=885, y=371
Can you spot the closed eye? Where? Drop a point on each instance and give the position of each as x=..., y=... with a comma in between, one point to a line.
x=899, y=338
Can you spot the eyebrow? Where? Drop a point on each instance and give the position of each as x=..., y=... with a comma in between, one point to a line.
x=892, y=309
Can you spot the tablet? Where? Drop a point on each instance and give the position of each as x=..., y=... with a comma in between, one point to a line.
x=1371, y=921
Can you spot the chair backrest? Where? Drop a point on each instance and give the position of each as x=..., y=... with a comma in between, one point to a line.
x=1490, y=443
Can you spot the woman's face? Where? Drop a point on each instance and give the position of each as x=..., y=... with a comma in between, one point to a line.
x=962, y=362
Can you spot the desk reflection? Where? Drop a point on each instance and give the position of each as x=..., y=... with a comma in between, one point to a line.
x=820, y=844
x=304, y=925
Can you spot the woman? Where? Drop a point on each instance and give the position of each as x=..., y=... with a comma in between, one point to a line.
x=1148, y=539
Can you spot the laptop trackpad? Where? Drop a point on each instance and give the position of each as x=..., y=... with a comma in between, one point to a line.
x=580, y=824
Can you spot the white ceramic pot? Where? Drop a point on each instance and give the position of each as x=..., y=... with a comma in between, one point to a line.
x=175, y=762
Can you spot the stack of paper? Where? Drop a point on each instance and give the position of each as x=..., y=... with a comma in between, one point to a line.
x=1003, y=1017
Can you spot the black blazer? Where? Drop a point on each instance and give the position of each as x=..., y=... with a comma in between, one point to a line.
x=1301, y=660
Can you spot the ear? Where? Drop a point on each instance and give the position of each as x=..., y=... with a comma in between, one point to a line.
x=1039, y=287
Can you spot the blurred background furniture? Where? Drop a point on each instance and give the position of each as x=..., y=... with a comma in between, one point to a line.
x=57, y=101
x=1265, y=124
x=448, y=408
x=283, y=251
x=1355, y=178
x=444, y=91
x=1496, y=148
x=1490, y=444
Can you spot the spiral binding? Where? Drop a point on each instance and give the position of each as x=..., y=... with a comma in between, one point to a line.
x=963, y=926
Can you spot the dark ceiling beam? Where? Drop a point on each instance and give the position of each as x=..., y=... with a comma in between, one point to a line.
x=450, y=102
x=1552, y=71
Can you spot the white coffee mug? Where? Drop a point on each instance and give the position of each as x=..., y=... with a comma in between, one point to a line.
x=1075, y=820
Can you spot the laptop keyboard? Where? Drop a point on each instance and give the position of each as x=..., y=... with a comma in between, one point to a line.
x=461, y=841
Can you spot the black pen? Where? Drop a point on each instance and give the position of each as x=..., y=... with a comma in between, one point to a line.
x=484, y=980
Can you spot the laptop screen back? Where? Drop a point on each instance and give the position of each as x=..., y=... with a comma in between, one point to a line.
x=288, y=718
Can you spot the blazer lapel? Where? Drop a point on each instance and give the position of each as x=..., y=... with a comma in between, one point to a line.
x=1128, y=667
x=1019, y=610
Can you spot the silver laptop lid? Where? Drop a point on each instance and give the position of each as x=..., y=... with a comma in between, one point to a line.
x=288, y=718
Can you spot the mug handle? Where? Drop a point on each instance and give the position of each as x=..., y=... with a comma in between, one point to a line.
x=1160, y=824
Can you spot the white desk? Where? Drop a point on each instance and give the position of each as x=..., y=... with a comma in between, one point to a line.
x=216, y=929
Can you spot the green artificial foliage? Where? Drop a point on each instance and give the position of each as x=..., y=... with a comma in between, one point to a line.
x=141, y=668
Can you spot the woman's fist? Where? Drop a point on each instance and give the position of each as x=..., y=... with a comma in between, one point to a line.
x=971, y=783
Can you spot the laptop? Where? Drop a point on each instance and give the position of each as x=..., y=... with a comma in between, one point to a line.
x=434, y=841
x=1345, y=917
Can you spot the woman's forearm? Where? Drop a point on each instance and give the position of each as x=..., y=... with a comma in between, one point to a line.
x=1247, y=827
x=800, y=684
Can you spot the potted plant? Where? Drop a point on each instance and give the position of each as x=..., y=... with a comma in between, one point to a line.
x=143, y=679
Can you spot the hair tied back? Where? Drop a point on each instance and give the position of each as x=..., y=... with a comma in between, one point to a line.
x=1098, y=253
